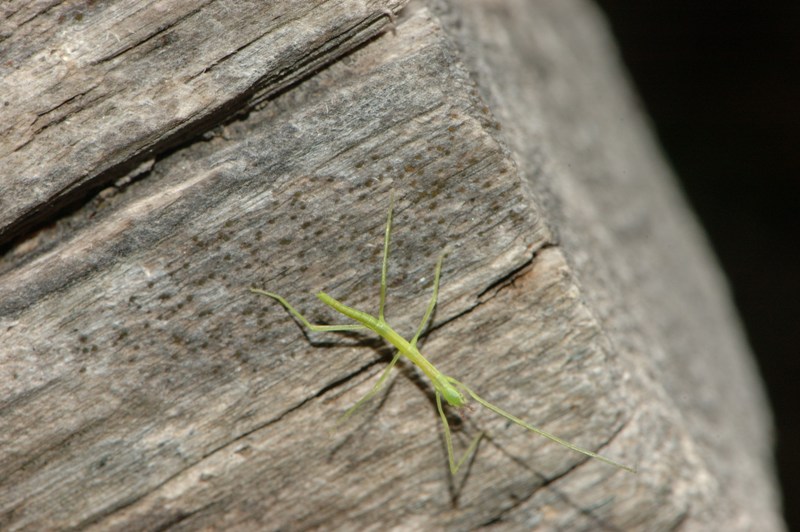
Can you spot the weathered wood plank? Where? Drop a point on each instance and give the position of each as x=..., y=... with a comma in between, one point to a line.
x=143, y=387
x=156, y=357
x=116, y=82
x=642, y=262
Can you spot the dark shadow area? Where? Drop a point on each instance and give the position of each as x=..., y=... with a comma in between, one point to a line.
x=721, y=83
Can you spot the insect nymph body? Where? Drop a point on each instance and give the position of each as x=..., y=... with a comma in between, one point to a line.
x=453, y=391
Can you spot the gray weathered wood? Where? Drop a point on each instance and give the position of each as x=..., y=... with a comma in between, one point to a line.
x=643, y=265
x=115, y=83
x=143, y=386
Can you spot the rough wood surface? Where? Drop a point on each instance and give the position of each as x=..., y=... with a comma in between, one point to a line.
x=114, y=83
x=143, y=387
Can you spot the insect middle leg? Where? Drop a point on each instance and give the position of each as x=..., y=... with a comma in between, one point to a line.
x=375, y=388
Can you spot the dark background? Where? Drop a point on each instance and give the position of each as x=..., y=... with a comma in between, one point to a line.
x=721, y=83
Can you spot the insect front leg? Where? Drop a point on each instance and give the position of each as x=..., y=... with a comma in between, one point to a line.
x=304, y=321
x=432, y=302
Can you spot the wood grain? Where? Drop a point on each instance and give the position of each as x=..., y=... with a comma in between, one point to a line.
x=118, y=82
x=142, y=386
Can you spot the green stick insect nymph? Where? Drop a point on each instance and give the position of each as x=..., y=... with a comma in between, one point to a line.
x=454, y=392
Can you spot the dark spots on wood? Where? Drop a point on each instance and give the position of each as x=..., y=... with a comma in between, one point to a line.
x=516, y=218
x=222, y=321
x=101, y=463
